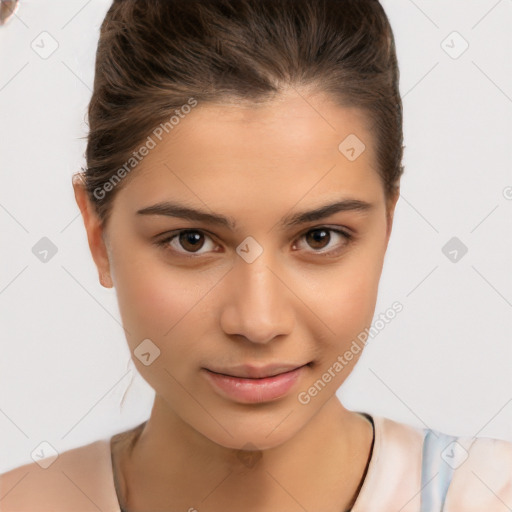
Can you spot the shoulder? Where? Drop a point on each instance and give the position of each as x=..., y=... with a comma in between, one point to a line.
x=79, y=479
x=414, y=469
x=394, y=470
x=482, y=476
x=458, y=472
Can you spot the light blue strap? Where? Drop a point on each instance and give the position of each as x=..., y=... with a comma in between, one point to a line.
x=436, y=472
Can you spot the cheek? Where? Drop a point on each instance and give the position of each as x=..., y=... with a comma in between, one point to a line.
x=347, y=307
x=348, y=298
x=154, y=298
x=160, y=305
x=170, y=307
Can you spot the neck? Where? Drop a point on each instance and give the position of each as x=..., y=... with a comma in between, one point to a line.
x=171, y=466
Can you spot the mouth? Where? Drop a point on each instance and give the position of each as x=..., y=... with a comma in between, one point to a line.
x=249, y=384
x=255, y=372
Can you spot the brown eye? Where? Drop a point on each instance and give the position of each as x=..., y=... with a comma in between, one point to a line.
x=318, y=238
x=191, y=240
x=187, y=242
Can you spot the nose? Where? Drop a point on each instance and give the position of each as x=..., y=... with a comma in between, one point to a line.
x=258, y=301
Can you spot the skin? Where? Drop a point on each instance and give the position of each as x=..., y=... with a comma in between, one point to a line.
x=292, y=304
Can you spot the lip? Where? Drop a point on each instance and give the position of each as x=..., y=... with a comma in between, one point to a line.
x=249, y=384
x=248, y=371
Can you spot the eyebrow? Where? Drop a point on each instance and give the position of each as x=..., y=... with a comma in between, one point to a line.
x=173, y=209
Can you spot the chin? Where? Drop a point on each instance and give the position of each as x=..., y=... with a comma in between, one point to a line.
x=254, y=431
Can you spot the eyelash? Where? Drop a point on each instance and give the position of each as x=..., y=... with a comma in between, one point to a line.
x=166, y=241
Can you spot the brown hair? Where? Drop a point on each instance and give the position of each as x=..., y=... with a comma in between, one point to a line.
x=155, y=57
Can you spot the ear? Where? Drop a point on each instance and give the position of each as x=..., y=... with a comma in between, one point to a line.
x=94, y=229
x=391, y=204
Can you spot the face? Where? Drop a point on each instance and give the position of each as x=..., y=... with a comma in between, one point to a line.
x=251, y=286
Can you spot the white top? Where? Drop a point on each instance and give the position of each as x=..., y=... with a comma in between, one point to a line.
x=410, y=470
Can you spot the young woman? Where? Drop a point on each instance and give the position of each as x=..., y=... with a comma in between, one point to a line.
x=243, y=167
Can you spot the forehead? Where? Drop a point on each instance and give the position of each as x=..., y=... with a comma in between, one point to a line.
x=283, y=150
